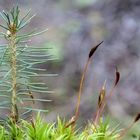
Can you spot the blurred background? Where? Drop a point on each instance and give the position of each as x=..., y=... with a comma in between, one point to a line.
x=74, y=27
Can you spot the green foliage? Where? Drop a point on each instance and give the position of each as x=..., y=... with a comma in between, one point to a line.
x=39, y=130
x=2, y=133
x=18, y=66
x=63, y=132
x=15, y=131
x=102, y=131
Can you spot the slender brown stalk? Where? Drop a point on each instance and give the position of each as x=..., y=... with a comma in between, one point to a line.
x=74, y=118
x=80, y=89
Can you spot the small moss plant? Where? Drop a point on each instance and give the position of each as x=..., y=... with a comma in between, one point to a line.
x=17, y=68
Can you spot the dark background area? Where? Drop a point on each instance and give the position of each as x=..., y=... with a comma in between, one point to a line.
x=74, y=27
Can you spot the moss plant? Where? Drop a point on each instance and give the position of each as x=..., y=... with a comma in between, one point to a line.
x=102, y=131
x=37, y=129
x=18, y=67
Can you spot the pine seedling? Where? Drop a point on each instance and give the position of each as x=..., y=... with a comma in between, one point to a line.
x=18, y=66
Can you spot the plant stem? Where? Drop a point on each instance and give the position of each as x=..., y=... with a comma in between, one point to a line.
x=80, y=89
x=12, y=46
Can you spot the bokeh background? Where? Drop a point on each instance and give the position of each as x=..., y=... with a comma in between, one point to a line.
x=74, y=27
